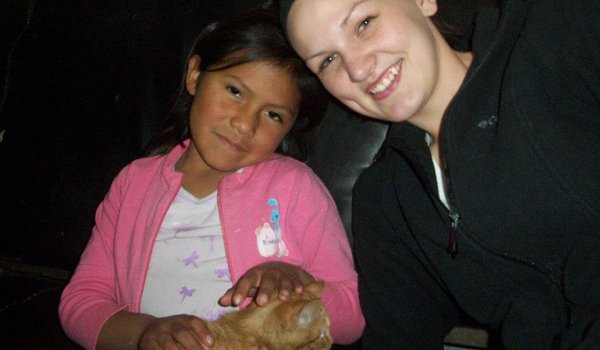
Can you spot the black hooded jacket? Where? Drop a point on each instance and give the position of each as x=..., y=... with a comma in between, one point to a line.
x=519, y=252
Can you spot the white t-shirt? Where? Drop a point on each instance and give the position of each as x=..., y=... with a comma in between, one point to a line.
x=188, y=269
x=440, y=177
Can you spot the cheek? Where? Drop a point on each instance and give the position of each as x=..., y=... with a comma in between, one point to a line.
x=204, y=111
x=194, y=114
x=269, y=141
x=339, y=85
x=197, y=120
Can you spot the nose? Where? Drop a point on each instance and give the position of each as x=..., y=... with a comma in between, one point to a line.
x=359, y=66
x=245, y=121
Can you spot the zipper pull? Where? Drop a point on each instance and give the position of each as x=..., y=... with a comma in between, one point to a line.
x=452, y=239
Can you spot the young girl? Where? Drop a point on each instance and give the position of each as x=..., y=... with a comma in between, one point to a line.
x=483, y=204
x=177, y=228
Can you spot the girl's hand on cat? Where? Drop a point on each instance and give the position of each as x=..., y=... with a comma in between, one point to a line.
x=176, y=333
x=263, y=280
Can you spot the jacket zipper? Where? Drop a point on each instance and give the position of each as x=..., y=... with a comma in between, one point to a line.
x=452, y=234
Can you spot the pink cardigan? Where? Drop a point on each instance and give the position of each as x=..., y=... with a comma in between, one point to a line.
x=112, y=270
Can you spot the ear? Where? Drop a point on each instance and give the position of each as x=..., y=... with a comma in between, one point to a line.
x=309, y=314
x=192, y=75
x=428, y=7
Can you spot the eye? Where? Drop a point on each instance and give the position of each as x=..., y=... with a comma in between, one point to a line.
x=362, y=25
x=275, y=116
x=234, y=91
x=327, y=61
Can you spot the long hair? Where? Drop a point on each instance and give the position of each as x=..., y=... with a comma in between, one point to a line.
x=244, y=37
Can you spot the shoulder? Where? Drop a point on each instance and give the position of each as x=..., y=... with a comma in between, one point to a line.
x=281, y=176
x=380, y=178
x=282, y=162
x=372, y=176
x=284, y=168
x=146, y=163
x=149, y=166
x=141, y=166
x=562, y=20
x=144, y=172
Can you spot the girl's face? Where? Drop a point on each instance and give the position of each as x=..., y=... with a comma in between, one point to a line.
x=239, y=115
x=376, y=56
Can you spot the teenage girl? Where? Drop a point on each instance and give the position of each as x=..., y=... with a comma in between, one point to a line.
x=178, y=228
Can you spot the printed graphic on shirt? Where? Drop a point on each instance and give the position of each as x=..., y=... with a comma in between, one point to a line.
x=191, y=259
x=223, y=273
x=186, y=292
x=268, y=236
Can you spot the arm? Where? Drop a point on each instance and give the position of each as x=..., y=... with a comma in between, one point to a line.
x=89, y=299
x=92, y=311
x=328, y=257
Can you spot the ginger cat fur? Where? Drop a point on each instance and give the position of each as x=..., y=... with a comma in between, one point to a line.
x=301, y=323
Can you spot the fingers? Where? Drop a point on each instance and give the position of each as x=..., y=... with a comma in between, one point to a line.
x=286, y=288
x=280, y=286
x=257, y=284
x=167, y=341
x=266, y=280
x=202, y=332
x=175, y=333
x=268, y=284
x=226, y=299
x=245, y=287
x=186, y=339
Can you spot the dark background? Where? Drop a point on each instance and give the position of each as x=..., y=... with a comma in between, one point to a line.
x=84, y=84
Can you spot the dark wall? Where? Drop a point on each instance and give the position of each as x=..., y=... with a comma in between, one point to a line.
x=84, y=84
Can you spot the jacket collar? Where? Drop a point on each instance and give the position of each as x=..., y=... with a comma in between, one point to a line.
x=237, y=178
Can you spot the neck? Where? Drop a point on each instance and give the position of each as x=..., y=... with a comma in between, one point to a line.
x=199, y=179
x=453, y=66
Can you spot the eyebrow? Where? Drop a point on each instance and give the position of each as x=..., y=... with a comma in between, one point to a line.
x=246, y=87
x=239, y=80
x=354, y=6
x=343, y=24
x=292, y=111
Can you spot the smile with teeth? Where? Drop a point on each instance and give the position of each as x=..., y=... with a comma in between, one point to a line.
x=387, y=80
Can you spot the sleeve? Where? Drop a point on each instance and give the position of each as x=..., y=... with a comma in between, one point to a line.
x=327, y=256
x=89, y=299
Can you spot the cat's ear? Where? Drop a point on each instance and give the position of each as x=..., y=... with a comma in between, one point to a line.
x=309, y=314
x=315, y=288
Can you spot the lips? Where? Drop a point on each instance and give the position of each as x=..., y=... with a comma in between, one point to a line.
x=386, y=81
x=230, y=144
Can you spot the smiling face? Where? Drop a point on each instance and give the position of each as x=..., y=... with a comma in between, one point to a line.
x=239, y=115
x=379, y=57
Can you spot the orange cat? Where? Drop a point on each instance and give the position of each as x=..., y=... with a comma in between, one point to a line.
x=301, y=323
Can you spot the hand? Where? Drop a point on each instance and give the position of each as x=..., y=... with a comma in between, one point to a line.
x=176, y=333
x=263, y=280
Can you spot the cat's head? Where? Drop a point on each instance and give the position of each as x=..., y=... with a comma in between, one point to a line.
x=298, y=323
